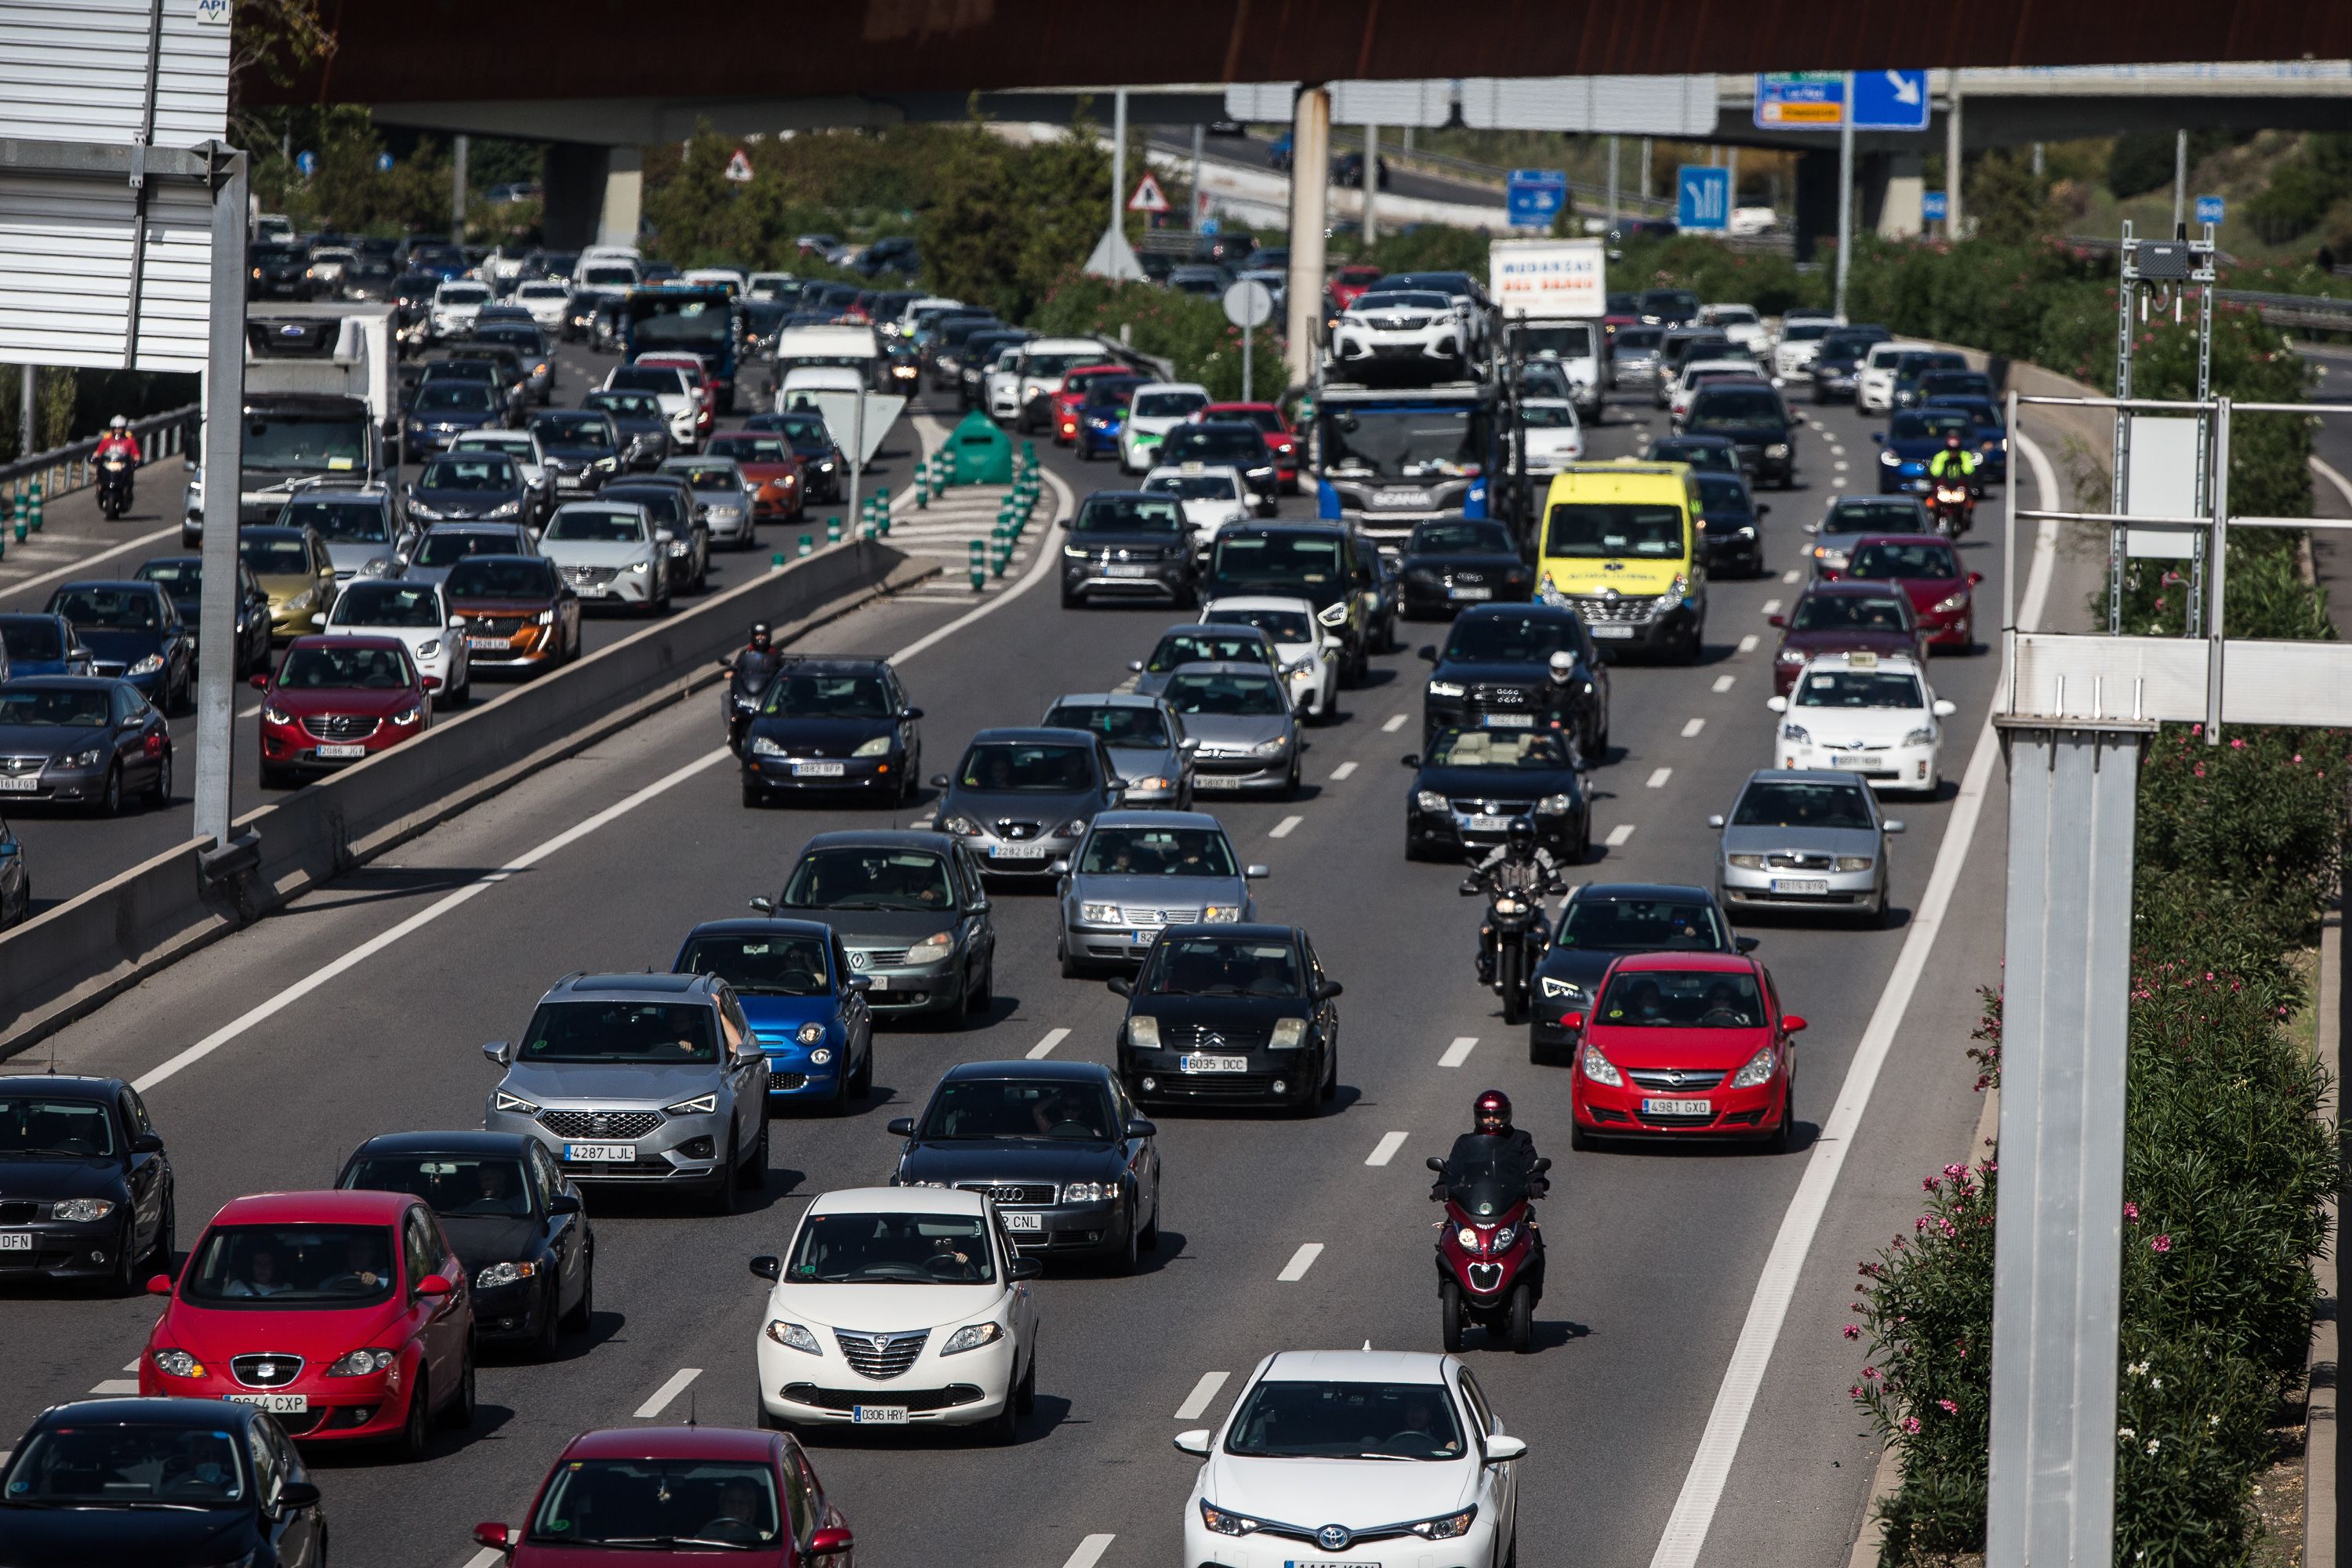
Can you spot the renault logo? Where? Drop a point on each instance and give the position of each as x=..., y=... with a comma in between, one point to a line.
x=859, y=958
x=1334, y=1537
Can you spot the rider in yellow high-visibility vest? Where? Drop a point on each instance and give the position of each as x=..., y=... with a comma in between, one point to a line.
x=1954, y=461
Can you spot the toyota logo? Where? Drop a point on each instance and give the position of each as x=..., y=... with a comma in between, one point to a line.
x=1334, y=1537
x=859, y=958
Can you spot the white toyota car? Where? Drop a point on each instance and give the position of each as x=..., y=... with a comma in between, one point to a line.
x=1873, y=714
x=1308, y=649
x=1157, y=408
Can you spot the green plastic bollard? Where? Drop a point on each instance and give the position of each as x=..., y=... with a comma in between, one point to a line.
x=979, y=564
x=832, y=530
x=776, y=562
x=20, y=523
x=36, y=518
x=885, y=530
x=808, y=544
x=922, y=489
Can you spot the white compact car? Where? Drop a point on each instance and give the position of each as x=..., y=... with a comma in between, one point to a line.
x=547, y=301
x=1394, y=328
x=1864, y=713
x=416, y=613
x=610, y=553
x=899, y=1307
x=1362, y=1459
x=1873, y=386
x=1027, y=376
x=457, y=306
x=1799, y=345
x=1157, y=408
x=1310, y=651
x=1554, y=438
x=1212, y=494
x=1740, y=324
x=670, y=387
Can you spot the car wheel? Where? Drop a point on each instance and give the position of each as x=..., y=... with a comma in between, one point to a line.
x=165, y=1251
x=1332, y=1075
x=1128, y=1257
x=980, y=998
x=721, y=1197
x=583, y=1311
x=545, y=1340
x=1073, y=966
x=276, y=777
x=861, y=1083
x=1024, y=1398
x=754, y=797
x=1149, y=1240
x=1003, y=1428
x=1784, y=1136
x=460, y=1413
x=110, y=800
x=415, y=1431
x=1578, y=1138
x=1290, y=785
x=159, y=794
x=769, y=1423
x=752, y=1174
x=127, y=1278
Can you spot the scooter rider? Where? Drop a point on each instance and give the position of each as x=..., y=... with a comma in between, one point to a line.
x=754, y=669
x=1493, y=1137
x=1955, y=462
x=119, y=441
x=1519, y=865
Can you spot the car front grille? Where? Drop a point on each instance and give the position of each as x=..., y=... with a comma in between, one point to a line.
x=876, y=957
x=496, y=626
x=914, y=1399
x=1481, y=807
x=1617, y=610
x=880, y=1356
x=1674, y=1078
x=1035, y=1194
x=1017, y=831
x=1131, y=915
x=338, y=726
x=266, y=1370
x=600, y=1123
x=19, y=1211
x=1792, y=861
x=1200, y=1037
x=590, y=576
x=784, y=1082
x=1512, y=697
x=19, y=766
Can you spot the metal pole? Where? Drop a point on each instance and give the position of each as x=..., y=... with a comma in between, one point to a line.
x=1247, y=334
x=1372, y=183
x=1845, y=193
x=2217, y=578
x=1612, y=179
x=2179, y=179
x=1955, y=162
x=1197, y=203
x=458, y=149
x=1118, y=156
x=1310, y=176
x=1645, y=168
x=28, y=395
x=223, y=453
x=2037, y=160
x=856, y=463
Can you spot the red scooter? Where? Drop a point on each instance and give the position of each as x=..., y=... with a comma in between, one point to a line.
x=1490, y=1263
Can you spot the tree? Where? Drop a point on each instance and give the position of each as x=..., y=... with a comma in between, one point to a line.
x=2008, y=202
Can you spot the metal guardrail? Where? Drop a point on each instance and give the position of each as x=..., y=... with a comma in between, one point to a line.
x=68, y=469
x=2311, y=313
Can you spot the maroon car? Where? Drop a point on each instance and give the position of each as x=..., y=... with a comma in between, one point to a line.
x=338, y=700
x=1942, y=596
x=1853, y=614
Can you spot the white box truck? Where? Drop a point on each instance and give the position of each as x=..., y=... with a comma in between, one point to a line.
x=1553, y=294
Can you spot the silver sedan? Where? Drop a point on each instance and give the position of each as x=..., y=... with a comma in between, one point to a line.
x=1243, y=716
x=1804, y=839
x=1137, y=873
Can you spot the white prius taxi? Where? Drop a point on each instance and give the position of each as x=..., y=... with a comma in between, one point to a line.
x=1355, y=1460
x=899, y=1307
x=1873, y=714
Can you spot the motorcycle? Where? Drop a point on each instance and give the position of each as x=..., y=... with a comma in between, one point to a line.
x=1515, y=917
x=741, y=703
x=1952, y=508
x=1490, y=1266
x=114, y=471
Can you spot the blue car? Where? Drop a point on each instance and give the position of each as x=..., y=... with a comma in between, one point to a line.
x=135, y=633
x=43, y=644
x=1102, y=416
x=1986, y=437
x=1912, y=438
x=805, y=1006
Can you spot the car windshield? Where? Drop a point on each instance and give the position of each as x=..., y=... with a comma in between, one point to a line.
x=1016, y=767
x=515, y=443
x=1129, y=514
x=111, y=609
x=651, y=1033
x=290, y=1266
x=1496, y=749
x=484, y=473
x=659, y=1505
x=1206, y=646
x=634, y=404
x=1935, y=561
x=1157, y=852
x=749, y=449
x=593, y=435
x=1400, y=299
x=764, y=963
x=464, y=294
x=1927, y=425
x=1407, y=443
x=33, y=1125
x=109, y=1464
x=404, y=605
x=1168, y=404
x=1225, y=693
x=1567, y=340
x=705, y=477
x=33, y=640
x=1019, y=1107
x=1775, y=803
x=1460, y=539
x=1274, y=560
x=1714, y=454
x=593, y=525
x=1214, y=444
x=868, y=879
x=1851, y=344
x=654, y=379
x=1724, y=492
x=1681, y=999
x=341, y=521
x=310, y=445
x=272, y=556
x=1637, y=340
x=804, y=694
x=892, y=1249
x=1641, y=925
x=339, y=666
x=1896, y=515
x=454, y=396
x=1669, y=302
x=1286, y=626
x=448, y=547
x=1285, y=1420
x=1847, y=613
x=492, y=577
x=1118, y=724
x=1611, y=530
x=1736, y=408
x=458, y=1186
x=1860, y=688
x=1547, y=416
x=1223, y=485
x=1509, y=638
x=1221, y=966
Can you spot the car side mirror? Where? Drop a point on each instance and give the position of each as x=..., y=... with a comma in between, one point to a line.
x=1764, y=509
x=1195, y=1442
x=912, y=714
x=1426, y=653
x=940, y=781
x=1026, y=1269
x=1572, y=1022
x=435, y=1285
x=1257, y=873
x=900, y=1127
x=1060, y=868
x=858, y=983
x=499, y=1051
x=1745, y=943
x=726, y=665
x=1435, y=1164
x=493, y=1536
x=1812, y=528
x=1946, y=707
x=1716, y=822
x=1326, y=990
x=1792, y=1025
x=1142, y=1127
x=260, y=682
x=1136, y=664
x=1120, y=985
x=768, y=1266
x=161, y=1285
x=1892, y=825
x=831, y=1541
x=147, y=1143
x=1777, y=704
x=1409, y=760
x=432, y=683
x=1503, y=1450
x=1975, y=578
x=764, y=905
x=1780, y=621
x=1879, y=436
x=564, y=1203
x=298, y=1494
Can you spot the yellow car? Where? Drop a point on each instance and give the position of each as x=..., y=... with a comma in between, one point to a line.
x=1620, y=545
x=292, y=566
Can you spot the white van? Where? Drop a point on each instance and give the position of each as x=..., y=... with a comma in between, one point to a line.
x=848, y=345
x=1575, y=345
x=1022, y=380
x=811, y=378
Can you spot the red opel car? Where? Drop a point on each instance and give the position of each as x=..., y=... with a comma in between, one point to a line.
x=622, y=1493
x=1683, y=1045
x=1943, y=596
x=1280, y=438
x=338, y=700
x=772, y=469
x=1351, y=284
x=1062, y=414
x=344, y=1314
x=1853, y=614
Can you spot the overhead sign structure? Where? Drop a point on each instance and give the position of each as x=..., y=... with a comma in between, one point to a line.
x=2209, y=209
x=739, y=168
x=1935, y=206
x=1703, y=197
x=1149, y=197
x=1536, y=196
x=1815, y=100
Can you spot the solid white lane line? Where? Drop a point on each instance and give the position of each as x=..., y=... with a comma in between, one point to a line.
x=1748, y=643
x=118, y=1386
x=2343, y=485
x=1459, y=1051
x=1658, y=777
x=1619, y=834
x=667, y=1391
x=1771, y=607
x=1734, y=1400
x=1197, y=1401
x=1791, y=575
x=1723, y=683
x=1690, y=730
x=1300, y=1262
x=1090, y=1551
x=1386, y=1148
x=1343, y=771
x=1044, y=1048
x=82, y=568
x=485, y=1557
x=1284, y=828
x=1396, y=722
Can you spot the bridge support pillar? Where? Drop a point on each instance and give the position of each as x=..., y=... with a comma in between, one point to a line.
x=1895, y=188
x=1310, y=181
x=575, y=182
x=1817, y=200
x=624, y=191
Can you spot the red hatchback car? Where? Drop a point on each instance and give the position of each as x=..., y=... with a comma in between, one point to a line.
x=1682, y=1045
x=1280, y=438
x=674, y=1494
x=344, y=1314
x=336, y=700
x=1063, y=419
x=1943, y=596
x=1853, y=614
x=770, y=467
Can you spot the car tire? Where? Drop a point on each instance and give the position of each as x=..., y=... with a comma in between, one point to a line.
x=546, y=1341
x=276, y=778
x=1290, y=790
x=752, y=1174
x=1332, y=1075
x=165, y=1252
x=1128, y=1255
x=128, y=1275
x=110, y=800
x=861, y=1082
x=1073, y=966
x=1784, y=1136
x=583, y=1311
x=755, y=797
x=1024, y=1398
x=979, y=999
x=159, y=794
x=761, y=1418
x=1449, y=1316
x=1003, y=1428
x=462, y=1404
x=718, y=1198
x=1149, y=1240
x=1578, y=1138
x=415, y=1435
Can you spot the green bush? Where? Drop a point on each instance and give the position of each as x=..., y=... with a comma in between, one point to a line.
x=1188, y=329
x=2291, y=205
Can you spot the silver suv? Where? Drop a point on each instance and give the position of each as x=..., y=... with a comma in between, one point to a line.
x=649, y=1080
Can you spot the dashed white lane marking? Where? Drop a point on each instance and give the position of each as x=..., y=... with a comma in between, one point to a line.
x=1284, y=828
x=1386, y=1148
x=1090, y=1551
x=1619, y=834
x=485, y=1557
x=1300, y=1262
x=1690, y=730
x=1748, y=643
x=1342, y=771
x=1839, y=466
x=1771, y=607
x=667, y=1391
x=1044, y=1048
x=1396, y=722
x=1723, y=683
x=118, y=1386
x=1658, y=777
x=1196, y=1403
x=248, y=712
x=131, y=1365
x=1459, y=1051
x=1791, y=575
x=1838, y=483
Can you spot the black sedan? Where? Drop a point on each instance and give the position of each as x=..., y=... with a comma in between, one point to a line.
x=1601, y=924
x=1231, y=1015
x=473, y=484
x=583, y=448
x=1472, y=783
x=828, y=724
x=1124, y=545
x=90, y=1193
x=1731, y=526
x=136, y=633
x=1754, y=420
x=517, y=1223
x=183, y=577
x=1519, y=667
x=1451, y=561
x=82, y=739
x=164, y=1483
x=1058, y=1146
x=644, y=427
x=1717, y=454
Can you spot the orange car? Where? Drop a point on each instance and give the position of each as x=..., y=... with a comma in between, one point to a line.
x=1063, y=417
x=518, y=613
x=771, y=467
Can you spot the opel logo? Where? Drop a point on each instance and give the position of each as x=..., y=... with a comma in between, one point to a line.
x=1674, y=1080
x=1334, y=1537
x=859, y=958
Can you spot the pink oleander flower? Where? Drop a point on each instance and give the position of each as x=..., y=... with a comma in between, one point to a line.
x=1950, y=1408
x=1870, y=1374
x=2131, y=1212
x=2162, y=1243
x=1851, y=1332
x=1911, y=1424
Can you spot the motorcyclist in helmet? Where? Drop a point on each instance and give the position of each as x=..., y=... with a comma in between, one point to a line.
x=754, y=669
x=1955, y=461
x=1519, y=865
x=1563, y=670
x=119, y=441
x=1492, y=1137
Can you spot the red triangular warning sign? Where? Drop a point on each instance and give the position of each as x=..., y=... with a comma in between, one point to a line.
x=739, y=168
x=1148, y=197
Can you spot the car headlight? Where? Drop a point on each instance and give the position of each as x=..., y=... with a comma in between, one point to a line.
x=1853, y=862
x=1504, y=1236
x=1429, y=800
x=545, y=617
x=700, y=1105
x=505, y=509
x=408, y=715
x=960, y=824
x=1555, y=989
x=303, y=600
x=1555, y=805
x=1221, y=914
x=364, y=1363
x=1334, y=613
x=177, y=1364
x=1223, y=1524
x=1789, y=656
x=1288, y=1034
x=83, y=759
x=81, y=1211
x=1073, y=828
x=1890, y=459
x=151, y=665
x=512, y=1103
x=1143, y=1033
x=418, y=508
x=932, y=948
x=970, y=1337
x=504, y=1274
x=1757, y=1070
x=1452, y=1524
x=1072, y=553
x=763, y=747
x=1085, y=1193
x=1923, y=736
x=429, y=648
x=1598, y=1068
x=794, y=1337
x=1777, y=450
x=1952, y=603
x=276, y=715
x=1100, y=914
x=1270, y=748
x=641, y=567
x=1797, y=734
x=810, y=1033
x=1446, y=689
x=1157, y=783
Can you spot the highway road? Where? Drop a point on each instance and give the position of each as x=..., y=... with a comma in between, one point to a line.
x=1257, y=152
x=1689, y=1388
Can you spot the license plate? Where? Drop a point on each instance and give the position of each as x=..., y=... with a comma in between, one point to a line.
x=16, y=1241
x=342, y=751
x=20, y=784
x=1216, y=781
x=276, y=1404
x=1212, y=1064
x=1608, y=633
x=1510, y=721
x=1143, y=938
x=1678, y=1108
x=1483, y=824
x=1324, y=1562
x=1469, y=592
x=1118, y=569
x=877, y=1416
x=1018, y=852
x=602, y=1154
x=1799, y=885
x=490, y=642
x=1015, y=1220
x=816, y=770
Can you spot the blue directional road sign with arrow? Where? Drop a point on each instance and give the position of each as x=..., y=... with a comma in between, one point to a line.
x=1535, y=196
x=1703, y=197
x=1890, y=100
x=2209, y=209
